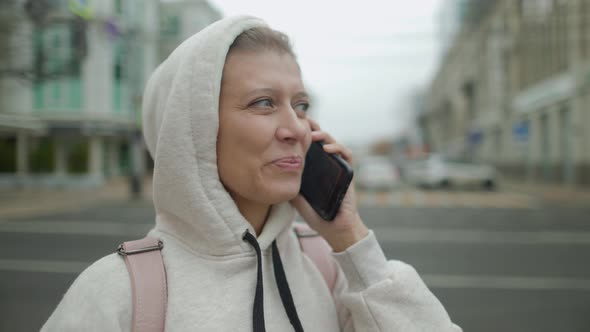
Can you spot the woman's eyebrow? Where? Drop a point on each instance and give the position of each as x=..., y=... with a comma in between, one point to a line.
x=270, y=91
x=266, y=91
x=301, y=94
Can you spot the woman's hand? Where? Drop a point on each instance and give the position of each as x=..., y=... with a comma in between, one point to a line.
x=347, y=228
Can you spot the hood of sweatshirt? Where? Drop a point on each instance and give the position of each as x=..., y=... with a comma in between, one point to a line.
x=180, y=123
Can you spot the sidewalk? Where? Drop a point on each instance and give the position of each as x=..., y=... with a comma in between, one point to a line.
x=33, y=202
x=549, y=192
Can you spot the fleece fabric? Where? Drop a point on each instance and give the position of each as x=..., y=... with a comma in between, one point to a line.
x=211, y=270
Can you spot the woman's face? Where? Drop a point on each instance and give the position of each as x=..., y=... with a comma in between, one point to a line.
x=263, y=130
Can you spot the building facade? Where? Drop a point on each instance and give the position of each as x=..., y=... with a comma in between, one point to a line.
x=513, y=90
x=180, y=20
x=75, y=119
x=77, y=111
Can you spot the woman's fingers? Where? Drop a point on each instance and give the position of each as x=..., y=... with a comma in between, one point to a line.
x=340, y=149
x=320, y=135
x=330, y=144
x=313, y=125
x=317, y=134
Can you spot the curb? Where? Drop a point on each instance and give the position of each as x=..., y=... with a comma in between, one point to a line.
x=555, y=193
x=29, y=203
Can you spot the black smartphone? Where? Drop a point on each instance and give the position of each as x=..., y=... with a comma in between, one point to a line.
x=325, y=180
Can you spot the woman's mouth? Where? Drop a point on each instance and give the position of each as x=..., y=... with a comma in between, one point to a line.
x=293, y=163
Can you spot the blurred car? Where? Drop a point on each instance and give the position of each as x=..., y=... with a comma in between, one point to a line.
x=377, y=173
x=436, y=171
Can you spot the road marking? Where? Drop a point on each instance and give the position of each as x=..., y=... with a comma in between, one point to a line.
x=76, y=228
x=419, y=198
x=24, y=265
x=505, y=282
x=469, y=236
x=385, y=234
x=432, y=280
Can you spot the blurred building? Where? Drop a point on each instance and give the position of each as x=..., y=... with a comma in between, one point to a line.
x=70, y=100
x=449, y=22
x=76, y=102
x=513, y=89
x=181, y=19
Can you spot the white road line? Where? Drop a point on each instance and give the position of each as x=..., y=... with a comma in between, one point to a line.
x=505, y=282
x=75, y=227
x=432, y=280
x=416, y=198
x=467, y=236
x=22, y=265
x=385, y=234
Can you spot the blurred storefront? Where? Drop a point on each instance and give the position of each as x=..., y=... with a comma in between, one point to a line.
x=70, y=100
x=513, y=89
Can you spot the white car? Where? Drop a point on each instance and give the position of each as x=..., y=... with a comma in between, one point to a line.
x=377, y=173
x=438, y=172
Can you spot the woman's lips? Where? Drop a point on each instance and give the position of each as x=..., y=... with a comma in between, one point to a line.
x=289, y=163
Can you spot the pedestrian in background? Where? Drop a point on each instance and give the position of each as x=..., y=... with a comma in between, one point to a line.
x=224, y=118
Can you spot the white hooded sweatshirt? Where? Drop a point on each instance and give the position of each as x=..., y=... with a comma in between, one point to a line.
x=211, y=270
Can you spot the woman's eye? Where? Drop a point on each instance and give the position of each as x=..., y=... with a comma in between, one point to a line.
x=265, y=103
x=302, y=107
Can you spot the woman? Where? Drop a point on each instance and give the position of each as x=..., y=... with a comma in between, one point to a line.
x=225, y=120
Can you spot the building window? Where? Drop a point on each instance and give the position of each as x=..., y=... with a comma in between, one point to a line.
x=543, y=41
x=169, y=26
x=7, y=154
x=42, y=155
x=562, y=36
x=59, y=49
x=77, y=157
x=119, y=7
x=120, y=96
x=470, y=94
x=497, y=134
x=584, y=30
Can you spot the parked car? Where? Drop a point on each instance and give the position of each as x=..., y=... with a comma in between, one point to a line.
x=377, y=173
x=436, y=171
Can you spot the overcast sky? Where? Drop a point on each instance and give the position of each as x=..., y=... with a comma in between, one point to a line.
x=361, y=60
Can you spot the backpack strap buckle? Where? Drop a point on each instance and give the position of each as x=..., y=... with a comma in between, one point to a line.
x=123, y=252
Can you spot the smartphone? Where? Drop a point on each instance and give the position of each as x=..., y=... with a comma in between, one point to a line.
x=325, y=180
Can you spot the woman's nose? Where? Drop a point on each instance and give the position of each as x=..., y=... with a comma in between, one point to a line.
x=292, y=128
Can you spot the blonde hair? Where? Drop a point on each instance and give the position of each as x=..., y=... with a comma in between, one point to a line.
x=262, y=38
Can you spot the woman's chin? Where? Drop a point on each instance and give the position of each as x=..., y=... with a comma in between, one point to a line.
x=284, y=193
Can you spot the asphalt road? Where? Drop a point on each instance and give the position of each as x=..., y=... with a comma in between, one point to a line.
x=497, y=269
x=494, y=269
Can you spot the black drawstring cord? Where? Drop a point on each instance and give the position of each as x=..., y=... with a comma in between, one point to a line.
x=258, y=311
x=283, y=285
x=284, y=289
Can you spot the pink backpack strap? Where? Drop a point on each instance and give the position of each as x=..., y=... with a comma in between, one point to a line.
x=148, y=283
x=318, y=250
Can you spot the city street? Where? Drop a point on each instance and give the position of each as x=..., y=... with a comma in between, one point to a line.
x=468, y=120
x=498, y=261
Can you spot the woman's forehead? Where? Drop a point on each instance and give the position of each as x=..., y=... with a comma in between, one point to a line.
x=259, y=70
